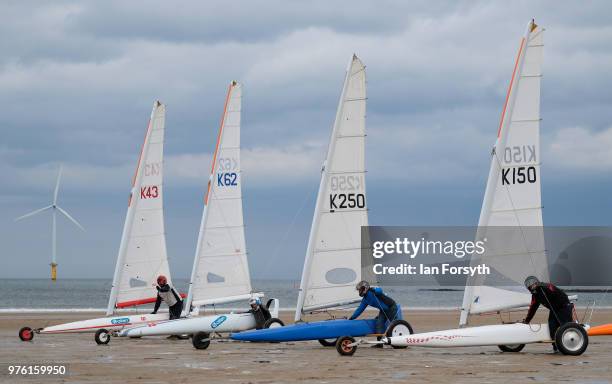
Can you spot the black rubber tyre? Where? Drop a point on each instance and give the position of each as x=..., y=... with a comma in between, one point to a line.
x=512, y=348
x=26, y=334
x=328, y=342
x=102, y=336
x=399, y=328
x=273, y=323
x=571, y=339
x=343, y=348
x=200, y=340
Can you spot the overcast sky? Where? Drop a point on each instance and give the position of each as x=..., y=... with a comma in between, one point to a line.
x=78, y=79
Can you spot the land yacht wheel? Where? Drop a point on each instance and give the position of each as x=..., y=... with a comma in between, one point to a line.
x=514, y=348
x=273, y=323
x=344, y=347
x=102, y=336
x=399, y=328
x=26, y=334
x=201, y=340
x=328, y=342
x=571, y=339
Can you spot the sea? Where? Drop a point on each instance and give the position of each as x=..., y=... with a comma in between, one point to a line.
x=91, y=295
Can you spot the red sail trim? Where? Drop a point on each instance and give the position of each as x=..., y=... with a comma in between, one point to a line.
x=214, y=160
x=501, y=122
x=134, y=303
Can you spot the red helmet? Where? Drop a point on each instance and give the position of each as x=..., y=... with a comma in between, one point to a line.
x=161, y=280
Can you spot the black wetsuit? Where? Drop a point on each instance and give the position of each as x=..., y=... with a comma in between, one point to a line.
x=261, y=315
x=172, y=297
x=561, y=311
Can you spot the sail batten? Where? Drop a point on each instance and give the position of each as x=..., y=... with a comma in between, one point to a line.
x=513, y=193
x=332, y=264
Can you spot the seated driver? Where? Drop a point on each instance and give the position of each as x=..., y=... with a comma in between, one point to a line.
x=260, y=313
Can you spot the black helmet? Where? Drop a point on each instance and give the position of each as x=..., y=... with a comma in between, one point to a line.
x=362, y=286
x=531, y=280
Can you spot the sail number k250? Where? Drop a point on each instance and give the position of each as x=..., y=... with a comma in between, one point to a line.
x=346, y=200
x=149, y=192
x=519, y=175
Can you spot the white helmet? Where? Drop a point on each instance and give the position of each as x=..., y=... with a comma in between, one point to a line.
x=254, y=301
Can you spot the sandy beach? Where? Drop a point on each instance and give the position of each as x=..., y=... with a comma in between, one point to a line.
x=158, y=360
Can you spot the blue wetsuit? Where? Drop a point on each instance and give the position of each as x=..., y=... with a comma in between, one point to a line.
x=389, y=309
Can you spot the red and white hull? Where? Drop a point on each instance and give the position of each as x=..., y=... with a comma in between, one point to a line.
x=486, y=335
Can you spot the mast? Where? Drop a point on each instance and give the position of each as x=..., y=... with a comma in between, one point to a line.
x=129, y=219
x=494, y=170
x=322, y=187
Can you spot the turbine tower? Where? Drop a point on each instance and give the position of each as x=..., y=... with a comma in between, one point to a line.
x=54, y=209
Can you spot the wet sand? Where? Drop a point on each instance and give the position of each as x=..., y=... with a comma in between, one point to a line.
x=158, y=360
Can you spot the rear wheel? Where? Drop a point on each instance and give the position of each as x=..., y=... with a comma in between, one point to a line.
x=26, y=334
x=201, y=340
x=273, y=323
x=328, y=342
x=513, y=348
x=399, y=328
x=344, y=347
x=571, y=339
x=102, y=336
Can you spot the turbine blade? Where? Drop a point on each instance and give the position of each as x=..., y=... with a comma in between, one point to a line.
x=70, y=218
x=34, y=212
x=57, y=183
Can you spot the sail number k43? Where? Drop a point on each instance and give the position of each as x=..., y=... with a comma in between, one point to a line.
x=149, y=192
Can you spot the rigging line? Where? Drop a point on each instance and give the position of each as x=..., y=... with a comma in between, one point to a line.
x=289, y=229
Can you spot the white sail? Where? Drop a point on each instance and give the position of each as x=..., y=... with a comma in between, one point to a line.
x=332, y=265
x=221, y=270
x=142, y=252
x=513, y=193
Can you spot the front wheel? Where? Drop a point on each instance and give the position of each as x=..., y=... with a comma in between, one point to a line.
x=201, y=340
x=328, y=342
x=102, y=336
x=399, y=328
x=513, y=348
x=571, y=339
x=273, y=323
x=345, y=347
x=26, y=334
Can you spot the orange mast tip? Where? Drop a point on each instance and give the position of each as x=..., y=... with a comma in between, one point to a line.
x=533, y=25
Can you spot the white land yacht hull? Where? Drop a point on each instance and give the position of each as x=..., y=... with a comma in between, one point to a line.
x=486, y=335
x=230, y=322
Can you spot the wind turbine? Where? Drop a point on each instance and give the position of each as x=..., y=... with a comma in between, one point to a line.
x=54, y=209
